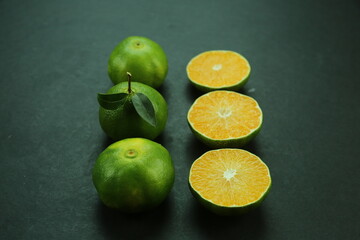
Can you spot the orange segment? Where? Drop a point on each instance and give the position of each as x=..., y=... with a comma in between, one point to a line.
x=225, y=115
x=230, y=177
x=218, y=69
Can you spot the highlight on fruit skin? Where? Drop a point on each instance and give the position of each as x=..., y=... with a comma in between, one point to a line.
x=218, y=69
x=229, y=181
x=225, y=119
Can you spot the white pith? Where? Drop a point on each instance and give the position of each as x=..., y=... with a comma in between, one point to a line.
x=229, y=174
x=217, y=67
x=224, y=112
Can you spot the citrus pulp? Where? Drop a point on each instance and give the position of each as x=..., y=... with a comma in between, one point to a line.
x=229, y=181
x=218, y=69
x=225, y=119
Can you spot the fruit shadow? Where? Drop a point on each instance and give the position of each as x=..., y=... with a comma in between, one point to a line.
x=107, y=142
x=163, y=139
x=163, y=90
x=96, y=151
x=195, y=148
x=146, y=225
x=254, y=147
x=192, y=93
x=250, y=225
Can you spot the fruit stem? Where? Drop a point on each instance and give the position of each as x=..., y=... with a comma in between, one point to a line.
x=129, y=82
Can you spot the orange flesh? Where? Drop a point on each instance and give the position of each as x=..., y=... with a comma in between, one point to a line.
x=224, y=114
x=230, y=177
x=218, y=68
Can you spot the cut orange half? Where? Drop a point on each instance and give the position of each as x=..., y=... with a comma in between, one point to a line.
x=225, y=119
x=229, y=181
x=218, y=69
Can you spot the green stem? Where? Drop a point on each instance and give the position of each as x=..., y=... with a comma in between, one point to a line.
x=129, y=82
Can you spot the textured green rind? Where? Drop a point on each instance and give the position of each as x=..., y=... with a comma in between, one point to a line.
x=125, y=123
x=235, y=87
x=228, y=143
x=147, y=62
x=135, y=184
x=228, y=211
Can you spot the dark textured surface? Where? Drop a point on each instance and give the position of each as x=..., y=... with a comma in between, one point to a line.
x=305, y=57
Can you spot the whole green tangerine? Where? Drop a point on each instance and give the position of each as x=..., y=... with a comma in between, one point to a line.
x=141, y=56
x=125, y=122
x=133, y=175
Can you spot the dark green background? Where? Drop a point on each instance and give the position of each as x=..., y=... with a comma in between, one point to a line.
x=305, y=57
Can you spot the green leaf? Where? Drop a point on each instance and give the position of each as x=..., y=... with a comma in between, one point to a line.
x=112, y=101
x=144, y=108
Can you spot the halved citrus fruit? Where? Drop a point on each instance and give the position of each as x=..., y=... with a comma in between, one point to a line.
x=229, y=181
x=225, y=119
x=213, y=70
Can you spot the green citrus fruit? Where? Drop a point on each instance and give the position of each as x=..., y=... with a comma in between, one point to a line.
x=144, y=58
x=225, y=119
x=133, y=175
x=218, y=69
x=229, y=181
x=125, y=122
